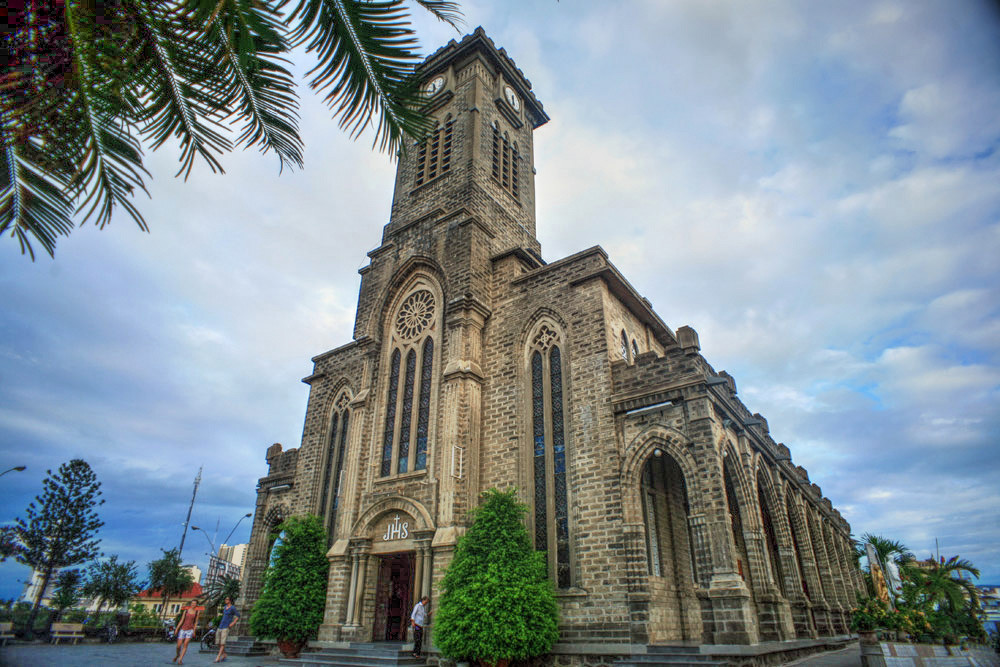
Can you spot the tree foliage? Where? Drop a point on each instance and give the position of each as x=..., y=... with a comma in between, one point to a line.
x=168, y=578
x=112, y=582
x=88, y=85
x=60, y=526
x=67, y=591
x=497, y=601
x=291, y=603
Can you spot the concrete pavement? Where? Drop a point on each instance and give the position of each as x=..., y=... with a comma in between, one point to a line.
x=141, y=654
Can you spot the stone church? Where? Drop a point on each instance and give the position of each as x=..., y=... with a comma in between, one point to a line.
x=667, y=513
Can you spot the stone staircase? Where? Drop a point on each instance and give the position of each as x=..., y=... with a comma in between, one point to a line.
x=244, y=646
x=669, y=656
x=381, y=654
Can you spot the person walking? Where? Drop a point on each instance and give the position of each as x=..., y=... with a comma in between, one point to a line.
x=185, y=629
x=419, y=620
x=229, y=616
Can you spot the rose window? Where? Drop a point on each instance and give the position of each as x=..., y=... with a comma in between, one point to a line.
x=415, y=314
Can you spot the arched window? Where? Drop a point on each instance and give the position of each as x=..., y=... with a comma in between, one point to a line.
x=334, y=471
x=551, y=505
x=624, y=346
x=434, y=153
x=407, y=413
x=635, y=349
x=506, y=161
x=666, y=510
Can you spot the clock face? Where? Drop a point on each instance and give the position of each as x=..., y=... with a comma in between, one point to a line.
x=435, y=85
x=511, y=98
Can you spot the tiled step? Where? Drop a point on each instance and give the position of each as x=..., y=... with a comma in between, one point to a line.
x=395, y=654
x=669, y=656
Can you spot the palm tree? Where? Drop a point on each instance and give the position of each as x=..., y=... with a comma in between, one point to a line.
x=221, y=588
x=885, y=549
x=939, y=585
x=89, y=85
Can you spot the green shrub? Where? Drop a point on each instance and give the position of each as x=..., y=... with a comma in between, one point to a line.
x=291, y=604
x=497, y=600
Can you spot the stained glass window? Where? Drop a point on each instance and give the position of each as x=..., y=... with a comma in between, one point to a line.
x=340, y=463
x=624, y=346
x=331, y=455
x=407, y=415
x=551, y=502
x=390, y=414
x=423, y=416
x=538, y=419
x=559, y=470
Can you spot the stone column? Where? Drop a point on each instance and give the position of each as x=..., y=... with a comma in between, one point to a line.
x=353, y=590
x=428, y=562
x=799, y=604
x=836, y=625
x=732, y=616
x=461, y=407
x=819, y=606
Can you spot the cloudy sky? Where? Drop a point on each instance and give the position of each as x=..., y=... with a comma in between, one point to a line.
x=814, y=187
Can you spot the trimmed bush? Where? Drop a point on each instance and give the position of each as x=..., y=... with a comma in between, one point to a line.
x=497, y=601
x=291, y=604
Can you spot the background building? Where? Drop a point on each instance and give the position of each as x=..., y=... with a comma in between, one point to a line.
x=667, y=513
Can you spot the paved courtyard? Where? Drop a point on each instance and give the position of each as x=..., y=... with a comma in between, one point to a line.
x=123, y=654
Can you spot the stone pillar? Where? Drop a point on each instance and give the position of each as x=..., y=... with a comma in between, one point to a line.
x=807, y=556
x=836, y=616
x=426, y=580
x=799, y=605
x=732, y=617
x=461, y=408
x=353, y=590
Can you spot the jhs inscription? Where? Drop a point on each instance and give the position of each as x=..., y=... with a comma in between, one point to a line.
x=396, y=530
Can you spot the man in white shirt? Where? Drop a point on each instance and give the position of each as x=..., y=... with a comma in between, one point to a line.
x=419, y=619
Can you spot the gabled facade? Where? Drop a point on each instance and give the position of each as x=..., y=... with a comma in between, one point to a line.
x=667, y=513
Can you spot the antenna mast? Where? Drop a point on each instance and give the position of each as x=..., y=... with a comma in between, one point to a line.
x=197, y=481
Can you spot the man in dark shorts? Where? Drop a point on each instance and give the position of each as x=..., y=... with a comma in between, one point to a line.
x=185, y=629
x=229, y=616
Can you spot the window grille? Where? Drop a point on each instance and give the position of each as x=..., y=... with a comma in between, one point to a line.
x=506, y=161
x=434, y=153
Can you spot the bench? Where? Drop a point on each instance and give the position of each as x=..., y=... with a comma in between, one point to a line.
x=6, y=632
x=72, y=631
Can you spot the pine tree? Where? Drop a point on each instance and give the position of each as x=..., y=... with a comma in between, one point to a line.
x=291, y=604
x=497, y=601
x=61, y=530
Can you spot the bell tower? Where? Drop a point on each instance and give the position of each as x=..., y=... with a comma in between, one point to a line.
x=478, y=162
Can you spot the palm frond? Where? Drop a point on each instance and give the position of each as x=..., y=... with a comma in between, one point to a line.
x=367, y=54
x=33, y=201
x=110, y=159
x=179, y=84
x=248, y=42
x=445, y=10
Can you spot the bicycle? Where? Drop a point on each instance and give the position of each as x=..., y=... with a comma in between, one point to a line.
x=111, y=633
x=208, y=640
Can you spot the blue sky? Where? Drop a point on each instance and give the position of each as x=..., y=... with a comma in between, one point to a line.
x=814, y=187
